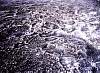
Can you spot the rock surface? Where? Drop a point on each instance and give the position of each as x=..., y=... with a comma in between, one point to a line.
x=50, y=37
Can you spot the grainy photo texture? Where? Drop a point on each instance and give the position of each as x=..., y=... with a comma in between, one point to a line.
x=49, y=36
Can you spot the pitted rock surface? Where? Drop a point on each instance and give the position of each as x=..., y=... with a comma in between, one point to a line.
x=49, y=36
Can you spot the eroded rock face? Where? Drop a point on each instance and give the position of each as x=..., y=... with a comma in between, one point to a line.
x=50, y=37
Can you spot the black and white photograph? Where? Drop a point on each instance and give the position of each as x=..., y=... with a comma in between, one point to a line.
x=49, y=36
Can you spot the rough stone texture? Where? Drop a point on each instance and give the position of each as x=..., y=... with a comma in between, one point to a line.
x=49, y=37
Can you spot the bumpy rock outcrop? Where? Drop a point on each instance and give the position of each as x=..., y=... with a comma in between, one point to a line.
x=49, y=37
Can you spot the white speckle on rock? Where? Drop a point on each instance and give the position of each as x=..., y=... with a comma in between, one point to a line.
x=93, y=64
x=92, y=13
